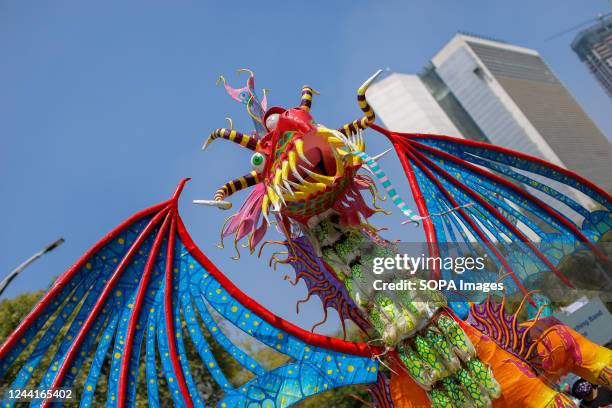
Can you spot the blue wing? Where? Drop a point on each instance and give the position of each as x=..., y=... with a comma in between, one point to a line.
x=525, y=213
x=136, y=297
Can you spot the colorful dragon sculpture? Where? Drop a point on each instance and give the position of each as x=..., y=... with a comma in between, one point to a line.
x=137, y=295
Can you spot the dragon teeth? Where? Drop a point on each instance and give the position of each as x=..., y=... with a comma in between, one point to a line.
x=273, y=196
x=293, y=167
x=288, y=188
x=265, y=215
x=279, y=193
x=285, y=169
x=381, y=155
x=319, y=177
x=294, y=184
x=264, y=207
x=299, y=146
x=277, y=177
x=339, y=164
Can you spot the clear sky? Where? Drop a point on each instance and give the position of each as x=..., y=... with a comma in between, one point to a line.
x=104, y=105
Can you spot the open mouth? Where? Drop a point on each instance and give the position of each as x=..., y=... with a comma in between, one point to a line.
x=317, y=160
x=309, y=167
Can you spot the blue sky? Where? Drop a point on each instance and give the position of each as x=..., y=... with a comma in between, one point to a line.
x=104, y=106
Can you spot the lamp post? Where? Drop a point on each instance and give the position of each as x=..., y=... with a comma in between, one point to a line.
x=9, y=278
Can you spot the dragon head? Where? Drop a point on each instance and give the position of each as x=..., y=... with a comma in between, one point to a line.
x=300, y=168
x=304, y=166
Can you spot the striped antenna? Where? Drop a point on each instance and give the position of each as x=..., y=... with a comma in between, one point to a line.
x=306, y=100
x=233, y=136
x=373, y=166
x=229, y=188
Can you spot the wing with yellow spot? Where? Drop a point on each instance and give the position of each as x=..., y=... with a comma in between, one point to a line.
x=525, y=214
x=135, y=298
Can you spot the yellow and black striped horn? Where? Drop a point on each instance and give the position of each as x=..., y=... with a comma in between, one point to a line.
x=229, y=188
x=306, y=101
x=368, y=118
x=233, y=136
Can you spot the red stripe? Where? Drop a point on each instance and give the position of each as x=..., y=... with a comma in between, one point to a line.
x=535, y=200
x=140, y=296
x=331, y=343
x=64, y=279
x=510, y=152
x=169, y=314
x=428, y=225
x=496, y=213
x=74, y=347
x=466, y=217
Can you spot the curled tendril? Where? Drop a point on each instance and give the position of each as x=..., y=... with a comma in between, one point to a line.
x=280, y=261
x=261, y=247
x=237, y=256
x=220, y=245
x=325, y=314
x=299, y=302
x=245, y=70
x=273, y=256
x=291, y=281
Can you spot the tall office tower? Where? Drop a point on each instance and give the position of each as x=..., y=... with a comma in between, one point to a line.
x=405, y=104
x=506, y=95
x=594, y=48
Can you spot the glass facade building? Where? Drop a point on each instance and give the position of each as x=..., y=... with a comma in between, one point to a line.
x=507, y=95
x=594, y=48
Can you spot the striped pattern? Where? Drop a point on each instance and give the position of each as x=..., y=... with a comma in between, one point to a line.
x=355, y=126
x=365, y=106
x=238, y=184
x=386, y=183
x=306, y=100
x=369, y=116
x=234, y=136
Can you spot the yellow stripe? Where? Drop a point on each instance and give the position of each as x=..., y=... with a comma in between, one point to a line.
x=232, y=135
x=243, y=182
x=232, y=186
x=220, y=193
x=244, y=140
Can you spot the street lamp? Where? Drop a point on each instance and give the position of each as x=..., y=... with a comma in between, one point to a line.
x=9, y=278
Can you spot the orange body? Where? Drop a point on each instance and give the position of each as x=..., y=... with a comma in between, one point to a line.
x=561, y=349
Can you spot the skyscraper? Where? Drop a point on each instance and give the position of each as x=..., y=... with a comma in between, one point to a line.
x=594, y=48
x=406, y=105
x=506, y=95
